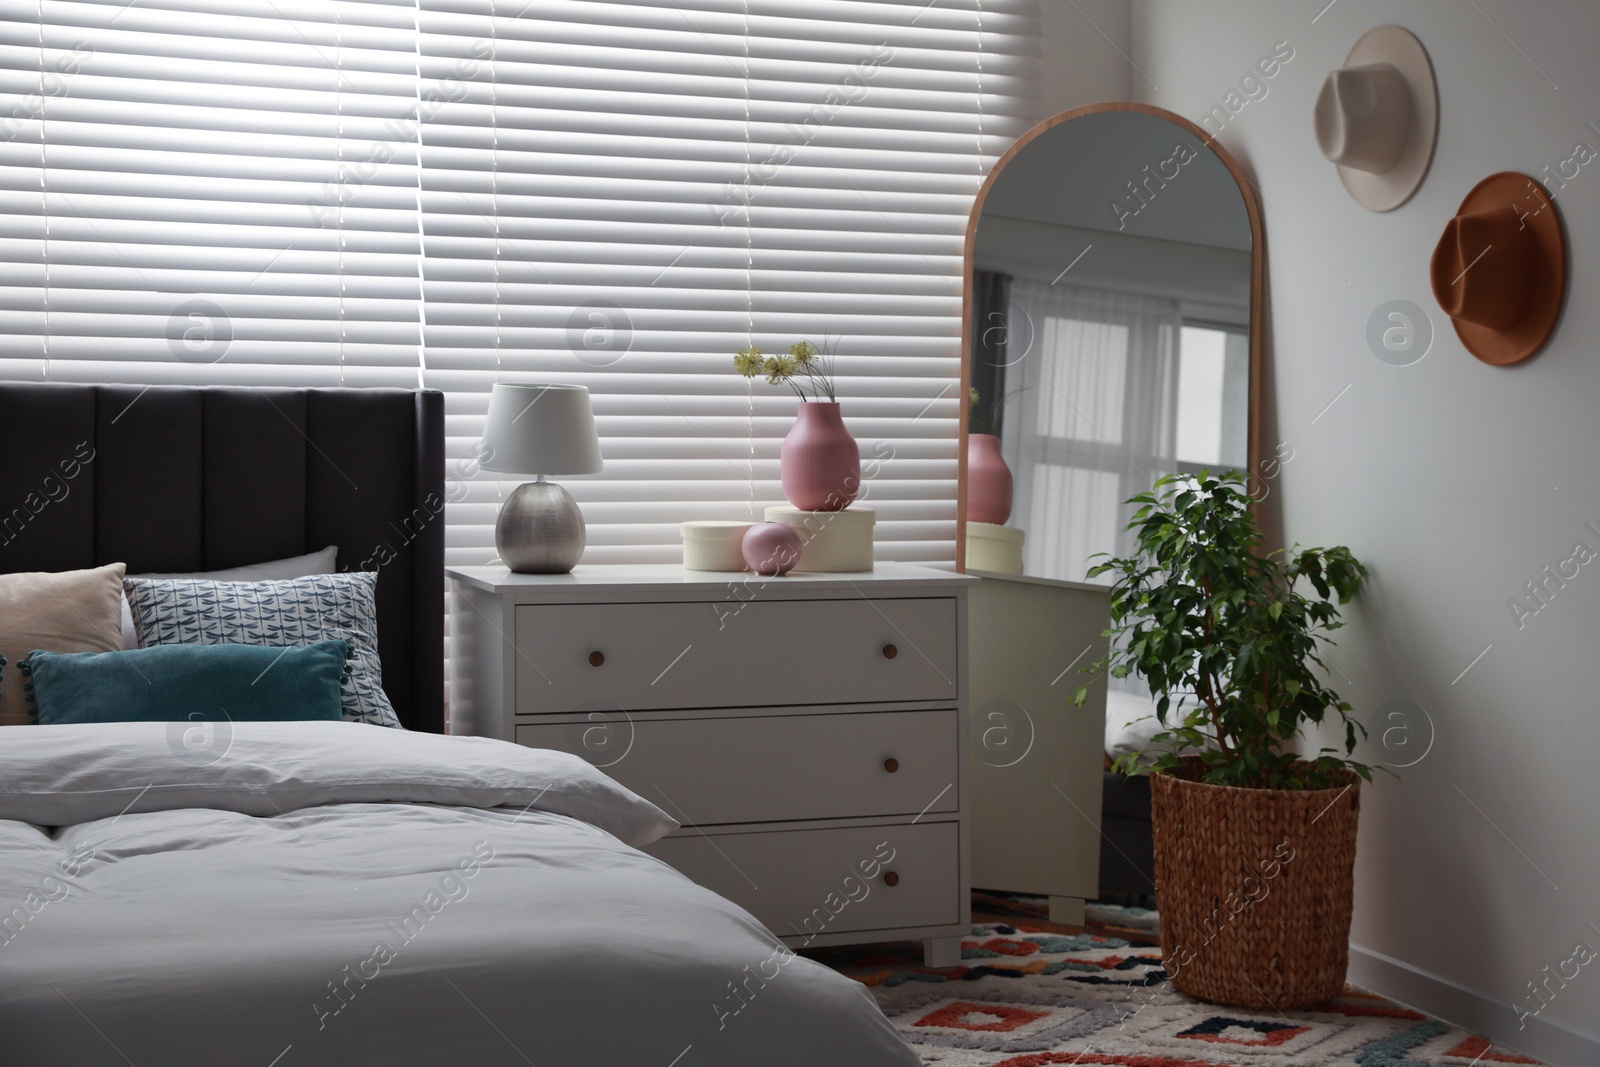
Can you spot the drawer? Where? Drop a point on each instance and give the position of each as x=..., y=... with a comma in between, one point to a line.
x=772, y=768
x=800, y=882
x=573, y=657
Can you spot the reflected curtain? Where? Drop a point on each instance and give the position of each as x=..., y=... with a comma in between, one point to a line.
x=991, y=294
x=1093, y=378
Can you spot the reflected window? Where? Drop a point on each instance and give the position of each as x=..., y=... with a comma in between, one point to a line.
x=1086, y=363
x=1105, y=392
x=1213, y=397
x=1092, y=394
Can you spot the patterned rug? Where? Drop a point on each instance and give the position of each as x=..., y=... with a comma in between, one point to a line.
x=1028, y=998
x=1142, y=923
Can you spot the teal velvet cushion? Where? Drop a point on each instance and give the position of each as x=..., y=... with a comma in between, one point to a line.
x=174, y=683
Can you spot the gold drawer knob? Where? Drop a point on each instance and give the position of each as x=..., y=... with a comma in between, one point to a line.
x=890, y=652
x=891, y=765
x=890, y=878
x=596, y=658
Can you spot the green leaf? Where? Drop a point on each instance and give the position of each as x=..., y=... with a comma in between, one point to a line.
x=1200, y=607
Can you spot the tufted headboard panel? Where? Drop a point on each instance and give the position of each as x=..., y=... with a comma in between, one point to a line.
x=177, y=478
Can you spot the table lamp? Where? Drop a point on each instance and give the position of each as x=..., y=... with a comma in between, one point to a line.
x=540, y=430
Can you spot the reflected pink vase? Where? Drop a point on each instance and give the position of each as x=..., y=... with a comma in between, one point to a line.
x=820, y=464
x=988, y=480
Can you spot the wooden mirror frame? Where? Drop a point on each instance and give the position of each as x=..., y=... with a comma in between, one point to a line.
x=1258, y=278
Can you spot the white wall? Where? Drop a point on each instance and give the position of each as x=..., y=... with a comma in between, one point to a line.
x=1086, y=53
x=1453, y=480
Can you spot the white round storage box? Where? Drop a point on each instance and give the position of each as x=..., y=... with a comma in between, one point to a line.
x=994, y=548
x=713, y=545
x=831, y=542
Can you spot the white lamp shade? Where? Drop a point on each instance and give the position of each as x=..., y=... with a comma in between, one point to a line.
x=540, y=429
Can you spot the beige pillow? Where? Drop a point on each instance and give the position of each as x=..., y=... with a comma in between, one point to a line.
x=69, y=611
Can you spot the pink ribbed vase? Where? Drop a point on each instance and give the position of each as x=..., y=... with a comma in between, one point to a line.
x=988, y=480
x=820, y=464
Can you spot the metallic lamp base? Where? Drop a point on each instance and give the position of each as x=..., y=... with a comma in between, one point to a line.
x=540, y=530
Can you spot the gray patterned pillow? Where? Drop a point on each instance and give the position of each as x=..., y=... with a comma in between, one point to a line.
x=295, y=611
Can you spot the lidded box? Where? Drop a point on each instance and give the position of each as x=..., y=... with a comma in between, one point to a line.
x=831, y=542
x=997, y=549
x=713, y=544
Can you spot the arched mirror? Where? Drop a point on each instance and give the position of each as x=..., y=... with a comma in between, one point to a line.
x=1113, y=332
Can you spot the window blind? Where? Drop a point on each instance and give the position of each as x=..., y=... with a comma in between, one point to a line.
x=210, y=191
x=450, y=192
x=621, y=195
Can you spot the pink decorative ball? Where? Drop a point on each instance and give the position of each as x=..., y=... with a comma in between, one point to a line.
x=771, y=548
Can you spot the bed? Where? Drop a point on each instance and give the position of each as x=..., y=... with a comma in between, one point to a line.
x=334, y=892
x=201, y=479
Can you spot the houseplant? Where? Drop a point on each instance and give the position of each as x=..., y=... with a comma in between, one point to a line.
x=1255, y=843
x=820, y=463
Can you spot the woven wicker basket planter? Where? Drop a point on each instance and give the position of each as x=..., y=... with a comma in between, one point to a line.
x=1255, y=888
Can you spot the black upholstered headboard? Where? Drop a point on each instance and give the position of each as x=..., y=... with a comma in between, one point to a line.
x=196, y=479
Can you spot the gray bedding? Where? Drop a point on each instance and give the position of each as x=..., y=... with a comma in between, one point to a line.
x=334, y=893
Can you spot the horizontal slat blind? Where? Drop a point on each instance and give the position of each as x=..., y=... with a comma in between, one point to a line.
x=210, y=191
x=451, y=192
x=620, y=195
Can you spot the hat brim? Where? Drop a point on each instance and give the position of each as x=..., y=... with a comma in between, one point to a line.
x=1529, y=334
x=1391, y=188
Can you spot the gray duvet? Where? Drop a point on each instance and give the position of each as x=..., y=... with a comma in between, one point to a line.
x=331, y=893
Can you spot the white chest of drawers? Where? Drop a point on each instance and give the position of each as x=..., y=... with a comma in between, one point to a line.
x=809, y=732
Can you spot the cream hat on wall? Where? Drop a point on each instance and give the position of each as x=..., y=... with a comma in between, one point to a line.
x=1377, y=117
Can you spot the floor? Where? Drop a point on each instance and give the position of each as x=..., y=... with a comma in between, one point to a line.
x=1030, y=993
x=1134, y=924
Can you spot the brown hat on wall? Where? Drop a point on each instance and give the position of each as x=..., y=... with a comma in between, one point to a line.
x=1500, y=270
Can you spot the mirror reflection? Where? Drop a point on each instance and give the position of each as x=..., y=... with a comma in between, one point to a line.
x=1110, y=343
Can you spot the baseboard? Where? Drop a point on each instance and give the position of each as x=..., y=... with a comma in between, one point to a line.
x=1555, y=1043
